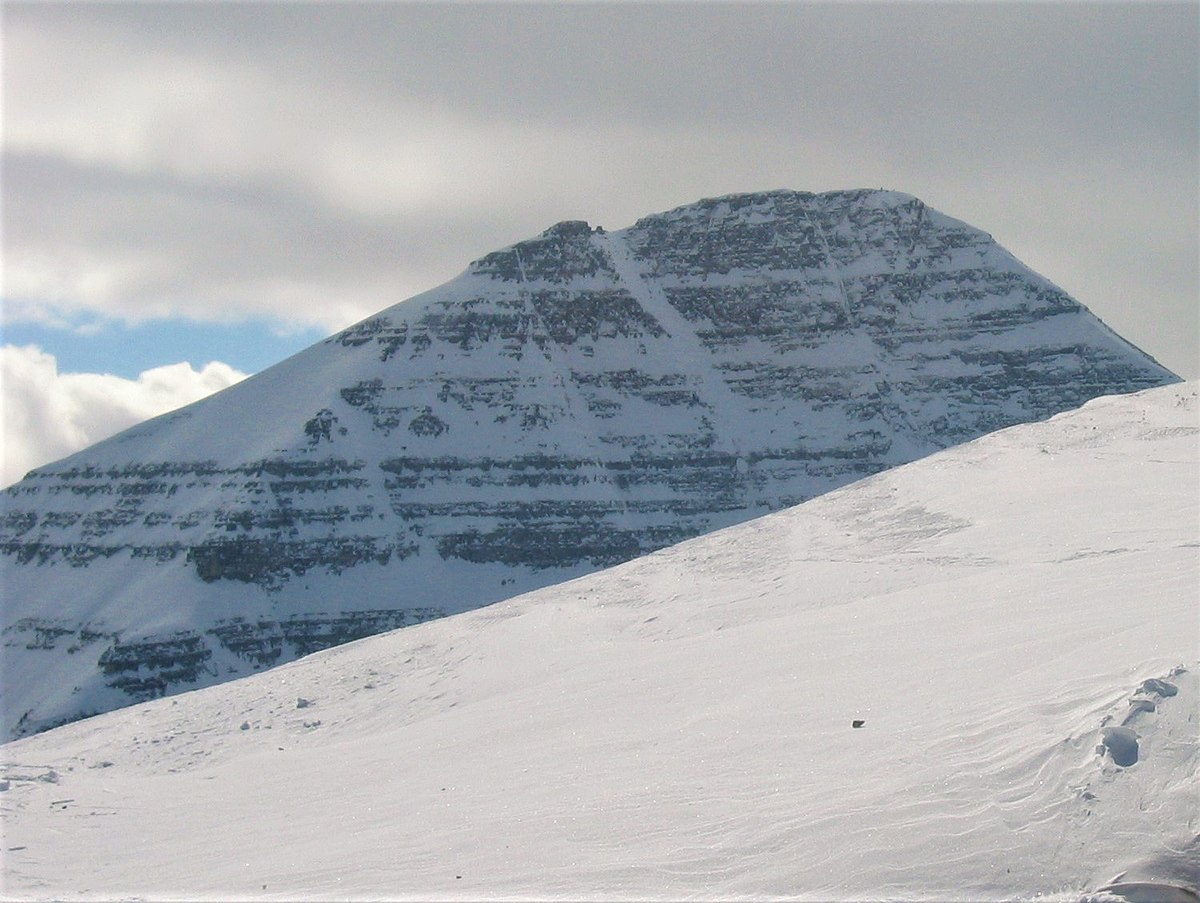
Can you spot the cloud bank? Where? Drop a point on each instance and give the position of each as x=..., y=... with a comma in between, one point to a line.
x=48, y=415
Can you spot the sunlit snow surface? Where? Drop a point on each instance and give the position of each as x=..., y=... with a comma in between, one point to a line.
x=1009, y=619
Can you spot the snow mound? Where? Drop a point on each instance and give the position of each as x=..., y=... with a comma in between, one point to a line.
x=1170, y=876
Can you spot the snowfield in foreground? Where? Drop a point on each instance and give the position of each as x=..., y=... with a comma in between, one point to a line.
x=1013, y=622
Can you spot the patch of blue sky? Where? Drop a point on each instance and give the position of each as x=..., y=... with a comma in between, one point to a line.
x=122, y=349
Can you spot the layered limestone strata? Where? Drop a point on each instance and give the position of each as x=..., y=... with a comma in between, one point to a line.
x=567, y=403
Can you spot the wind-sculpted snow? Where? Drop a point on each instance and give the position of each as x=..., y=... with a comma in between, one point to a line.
x=907, y=689
x=568, y=403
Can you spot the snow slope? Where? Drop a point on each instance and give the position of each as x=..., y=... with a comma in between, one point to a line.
x=1013, y=620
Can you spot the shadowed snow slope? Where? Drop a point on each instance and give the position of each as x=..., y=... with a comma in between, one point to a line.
x=1010, y=620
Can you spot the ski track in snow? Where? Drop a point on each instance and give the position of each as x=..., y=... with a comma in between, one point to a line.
x=1013, y=622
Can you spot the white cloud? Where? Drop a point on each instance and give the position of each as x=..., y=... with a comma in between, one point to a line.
x=48, y=415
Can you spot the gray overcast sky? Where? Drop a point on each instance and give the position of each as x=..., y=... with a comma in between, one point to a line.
x=313, y=163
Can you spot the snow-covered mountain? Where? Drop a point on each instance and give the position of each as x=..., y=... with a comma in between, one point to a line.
x=1011, y=623
x=567, y=403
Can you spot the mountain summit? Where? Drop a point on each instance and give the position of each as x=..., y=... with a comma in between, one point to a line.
x=567, y=403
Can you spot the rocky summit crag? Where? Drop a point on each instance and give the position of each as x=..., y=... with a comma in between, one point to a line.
x=565, y=404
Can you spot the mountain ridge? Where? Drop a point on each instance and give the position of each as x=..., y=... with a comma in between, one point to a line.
x=568, y=402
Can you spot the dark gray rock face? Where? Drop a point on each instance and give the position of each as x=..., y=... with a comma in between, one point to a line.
x=567, y=403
